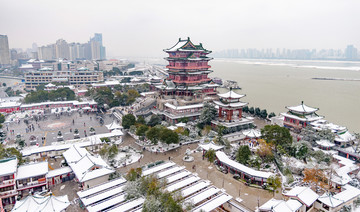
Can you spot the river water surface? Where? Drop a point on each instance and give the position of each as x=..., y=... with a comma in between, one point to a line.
x=274, y=84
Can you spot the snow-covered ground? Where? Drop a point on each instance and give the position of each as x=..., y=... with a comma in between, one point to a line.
x=126, y=156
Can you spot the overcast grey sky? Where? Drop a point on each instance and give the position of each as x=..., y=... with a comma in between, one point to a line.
x=144, y=28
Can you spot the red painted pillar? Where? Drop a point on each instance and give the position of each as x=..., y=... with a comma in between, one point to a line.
x=220, y=112
x=240, y=113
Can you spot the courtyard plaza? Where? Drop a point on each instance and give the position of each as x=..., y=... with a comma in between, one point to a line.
x=50, y=126
x=249, y=197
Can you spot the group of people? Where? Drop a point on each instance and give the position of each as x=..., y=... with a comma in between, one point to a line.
x=30, y=128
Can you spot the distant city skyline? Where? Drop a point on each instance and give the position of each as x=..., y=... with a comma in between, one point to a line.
x=350, y=53
x=144, y=28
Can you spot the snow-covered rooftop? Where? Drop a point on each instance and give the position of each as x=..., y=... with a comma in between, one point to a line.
x=50, y=85
x=129, y=205
x=183, y=107
x=344, y=137
x=303, y=194
x=8, y=166
x=177, y=176
x=199, y=197
x=281, y=206
x=101, y=187
x=348, y=193
x=90, y=167
x=194, y=188
x=325, y=143
x=74, y=153
x=182, y=183
x=9, y=104
x=157, y=168
x=82, y=142
x=41, y=204
x=302, y=108
x=232, y=104
x=177, y=46
x=305, y=118
x=231, y=94
x=58, y=172
x=213, y=203
x=224, y=159
x=32, y=170
x=170, y=171
x=211, y=145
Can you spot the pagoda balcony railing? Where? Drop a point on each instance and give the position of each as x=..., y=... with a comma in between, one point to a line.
x=39, y=182
x=191, y=82
x=5, y=194
x=295, y=125
x=188, y=67
x=7, y=183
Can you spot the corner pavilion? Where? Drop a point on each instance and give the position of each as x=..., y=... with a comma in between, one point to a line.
x=300, y=116
x=230, y=112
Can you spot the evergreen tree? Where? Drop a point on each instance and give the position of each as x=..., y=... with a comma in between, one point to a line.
x=243, y=154
x=128, y=120
x=208, y=114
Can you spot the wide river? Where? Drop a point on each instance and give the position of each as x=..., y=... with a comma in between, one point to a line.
x=274, y=84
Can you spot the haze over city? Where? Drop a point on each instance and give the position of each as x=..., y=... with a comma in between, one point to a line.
x=144, y=28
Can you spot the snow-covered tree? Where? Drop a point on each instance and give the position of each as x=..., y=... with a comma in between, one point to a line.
x=208, y=114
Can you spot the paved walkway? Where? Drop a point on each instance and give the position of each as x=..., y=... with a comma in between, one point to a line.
x=50, y=127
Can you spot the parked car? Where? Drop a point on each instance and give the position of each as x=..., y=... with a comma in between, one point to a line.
x=236, y=176
x=224, y=170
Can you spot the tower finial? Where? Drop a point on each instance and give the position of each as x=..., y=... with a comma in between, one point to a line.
x=302, y=102
x=188, y=38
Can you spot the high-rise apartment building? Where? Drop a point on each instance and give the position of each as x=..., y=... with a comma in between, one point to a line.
x=62, y=49
x=92, y=50
x=97, y=48
x=4, y=50
x=47, y=52
x=350, y=52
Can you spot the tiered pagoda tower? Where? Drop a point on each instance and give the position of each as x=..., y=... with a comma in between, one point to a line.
x=186, y=88
x=188, y=72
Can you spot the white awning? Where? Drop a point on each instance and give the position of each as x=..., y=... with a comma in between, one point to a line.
x=252, y=133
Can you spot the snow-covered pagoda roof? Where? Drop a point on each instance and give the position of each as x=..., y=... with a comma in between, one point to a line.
x=310, y=117
x=186, y=45
x=344, y=137
x=232, y=105
x=302, y=108
x=325, y=143
x=231, y=95
x=40, y=203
